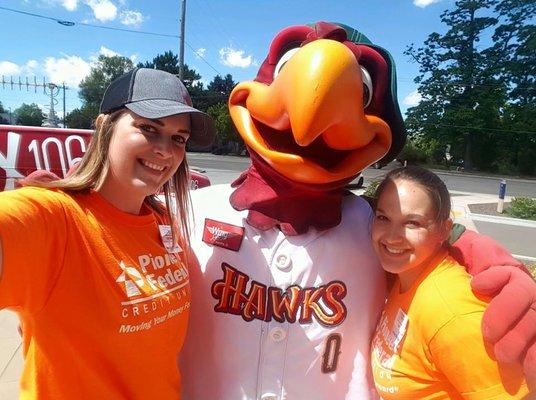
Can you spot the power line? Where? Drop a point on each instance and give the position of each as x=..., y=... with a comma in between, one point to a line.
x=475, y=128
x=73, y=23
x=202, y=58
x=463, y=84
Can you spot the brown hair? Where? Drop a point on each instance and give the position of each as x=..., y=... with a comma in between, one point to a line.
x=430, y=182
x=93, y=168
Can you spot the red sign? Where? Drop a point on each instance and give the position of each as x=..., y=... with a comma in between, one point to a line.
x=24, y=149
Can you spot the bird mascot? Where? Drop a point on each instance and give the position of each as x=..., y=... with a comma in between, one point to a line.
x=288, y=291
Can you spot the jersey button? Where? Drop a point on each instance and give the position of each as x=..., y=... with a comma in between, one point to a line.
x=269, y=396
x=283, y=262
x=278, y=334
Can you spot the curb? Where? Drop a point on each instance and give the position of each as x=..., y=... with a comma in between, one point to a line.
x=476, y=175
x=502, y=220
x=524, y=259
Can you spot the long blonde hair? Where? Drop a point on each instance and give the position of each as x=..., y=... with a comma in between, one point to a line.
x=93, y=168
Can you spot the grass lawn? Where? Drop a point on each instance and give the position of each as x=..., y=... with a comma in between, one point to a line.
x=532, y=269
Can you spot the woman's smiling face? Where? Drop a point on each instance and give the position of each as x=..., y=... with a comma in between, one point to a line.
x=405, y=230
x=143, y=155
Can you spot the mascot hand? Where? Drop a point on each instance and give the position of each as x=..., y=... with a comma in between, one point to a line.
x=510, y=319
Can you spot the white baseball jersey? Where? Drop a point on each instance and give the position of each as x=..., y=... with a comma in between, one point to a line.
x=280, y=317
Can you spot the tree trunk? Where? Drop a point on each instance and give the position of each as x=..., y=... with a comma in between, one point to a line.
x=468, y=160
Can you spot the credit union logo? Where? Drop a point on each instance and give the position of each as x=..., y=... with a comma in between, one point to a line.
x=131, y=279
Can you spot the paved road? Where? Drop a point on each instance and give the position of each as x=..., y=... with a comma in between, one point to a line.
x=519, y=240
x=220, y=168
x=479, y=189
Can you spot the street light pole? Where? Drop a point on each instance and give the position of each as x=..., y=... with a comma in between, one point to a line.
x=181, y=44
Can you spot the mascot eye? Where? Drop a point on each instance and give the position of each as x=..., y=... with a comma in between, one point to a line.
x=283, y=60
x=367, y=87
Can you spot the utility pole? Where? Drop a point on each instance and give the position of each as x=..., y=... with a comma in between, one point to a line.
x=64, y=105
x=51, y=120
x=181, y=44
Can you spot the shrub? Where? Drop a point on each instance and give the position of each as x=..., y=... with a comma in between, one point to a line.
x=532, y=270
x=526, y=162
x=504, y=167
x=412, y=154
x=523, y=207
x=370, y=191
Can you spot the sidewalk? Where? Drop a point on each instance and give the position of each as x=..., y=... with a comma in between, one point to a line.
x=10, y=342
x=512, y=233
x=10, y=356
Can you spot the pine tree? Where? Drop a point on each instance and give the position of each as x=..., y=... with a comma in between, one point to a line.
x=460, y=94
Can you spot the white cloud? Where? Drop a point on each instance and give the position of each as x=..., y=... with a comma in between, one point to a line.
x=424, y=3
x=201, y=52
x=32, y=64
x=235, y=58
x=69, y=69
x=103, y=10
x=412, y=99
x=131, y=18
x=105, y=51
x=9, y=68
x=70, y=5
x=30, y=67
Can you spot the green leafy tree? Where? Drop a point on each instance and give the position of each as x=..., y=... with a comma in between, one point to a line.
x=83, y=117
x=29, y=115
x=101, y=75
x=460, y=94
x=515, y=48
x=93, y=86
x=169, y=62
x=222, y=86
x=479, y=99
x=217, y=91
x=2, y=112
x=225, y=129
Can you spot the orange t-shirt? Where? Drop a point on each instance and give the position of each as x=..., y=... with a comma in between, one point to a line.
x=428, y=343
x=104, y=306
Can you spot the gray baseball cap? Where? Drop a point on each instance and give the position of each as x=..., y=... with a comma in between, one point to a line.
x=154, y=94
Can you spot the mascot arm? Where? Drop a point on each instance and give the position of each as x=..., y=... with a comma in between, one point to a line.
x=479, y=252
x=510, y=320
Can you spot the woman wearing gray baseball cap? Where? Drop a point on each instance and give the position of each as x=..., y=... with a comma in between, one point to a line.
x=95, y=265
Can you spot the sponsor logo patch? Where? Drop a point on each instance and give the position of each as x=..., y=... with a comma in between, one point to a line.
x=224, y=235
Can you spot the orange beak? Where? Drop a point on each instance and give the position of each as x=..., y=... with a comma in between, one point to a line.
x=317, y=94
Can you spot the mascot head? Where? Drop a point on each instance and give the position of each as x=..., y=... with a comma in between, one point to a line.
x=323, y=106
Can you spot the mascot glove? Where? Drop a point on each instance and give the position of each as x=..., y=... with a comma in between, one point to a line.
x=509, y=322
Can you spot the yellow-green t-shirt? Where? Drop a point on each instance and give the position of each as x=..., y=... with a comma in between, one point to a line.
x=429, y=345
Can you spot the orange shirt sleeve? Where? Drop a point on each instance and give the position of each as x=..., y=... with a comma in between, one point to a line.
x=459, y=352
x=33, y=233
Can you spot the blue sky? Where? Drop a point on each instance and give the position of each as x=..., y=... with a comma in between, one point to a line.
x=232, y=36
